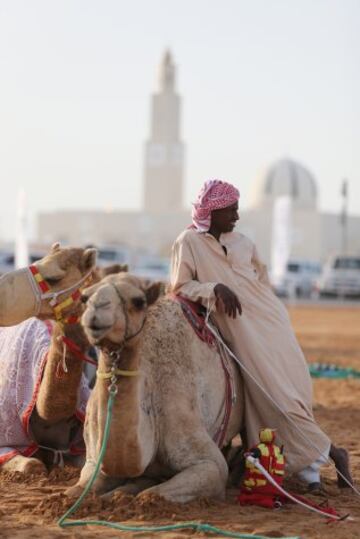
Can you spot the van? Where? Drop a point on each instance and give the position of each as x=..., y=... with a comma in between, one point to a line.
x=298, y=279
x=340, y=277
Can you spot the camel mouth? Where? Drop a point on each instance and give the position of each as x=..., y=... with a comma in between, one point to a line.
x=96, y=333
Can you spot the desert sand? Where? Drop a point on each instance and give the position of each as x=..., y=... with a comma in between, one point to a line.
x=31, y=507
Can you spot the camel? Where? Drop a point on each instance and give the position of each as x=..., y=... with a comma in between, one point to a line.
x=44, y=394
x=21, y=294
x=59, y=391
x=170, y=406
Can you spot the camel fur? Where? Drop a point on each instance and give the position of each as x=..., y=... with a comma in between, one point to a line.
x=53, y=419
x=164, y=419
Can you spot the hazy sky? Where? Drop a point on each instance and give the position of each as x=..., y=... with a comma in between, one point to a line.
x=260, y=80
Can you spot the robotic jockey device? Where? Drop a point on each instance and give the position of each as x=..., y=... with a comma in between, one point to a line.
x=256, y=489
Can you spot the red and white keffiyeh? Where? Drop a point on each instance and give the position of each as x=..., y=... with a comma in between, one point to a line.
x=23, y=355
x=214, y=195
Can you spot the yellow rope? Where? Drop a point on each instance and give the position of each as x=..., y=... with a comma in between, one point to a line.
x=117, y=372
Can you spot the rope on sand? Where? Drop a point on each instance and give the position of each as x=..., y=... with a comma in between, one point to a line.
x=195, y=526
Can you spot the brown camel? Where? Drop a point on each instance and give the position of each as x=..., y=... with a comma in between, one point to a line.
x=21, y=294
x=169, y=408
x=48, y=407
x=55, y=418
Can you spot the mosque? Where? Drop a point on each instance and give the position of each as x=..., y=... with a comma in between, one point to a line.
x=315, y=235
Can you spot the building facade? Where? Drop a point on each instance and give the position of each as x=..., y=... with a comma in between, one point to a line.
x=314, y=235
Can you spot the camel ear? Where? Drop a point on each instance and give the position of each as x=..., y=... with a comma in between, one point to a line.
x=152, y=293
x=89, y=258
x=111, y=270
x=123, y=268
x=55, y=248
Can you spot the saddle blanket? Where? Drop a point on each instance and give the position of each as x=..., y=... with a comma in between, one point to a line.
x=23, y=355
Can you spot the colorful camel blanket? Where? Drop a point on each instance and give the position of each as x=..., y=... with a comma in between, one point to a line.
x=23, y=355
x=195, y=315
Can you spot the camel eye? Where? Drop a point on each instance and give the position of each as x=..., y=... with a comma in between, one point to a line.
x=139, y=303
x=84, y=298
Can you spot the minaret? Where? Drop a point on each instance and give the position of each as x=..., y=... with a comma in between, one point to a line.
x=164, y=154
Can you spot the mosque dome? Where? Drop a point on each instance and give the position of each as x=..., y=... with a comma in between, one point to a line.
x=285, y=177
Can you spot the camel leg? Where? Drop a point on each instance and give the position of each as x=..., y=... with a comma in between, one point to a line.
x=25, y=465
x=103, y=483
x=204, y=471
x=133, y=486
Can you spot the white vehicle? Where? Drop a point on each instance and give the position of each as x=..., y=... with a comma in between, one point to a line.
x=112, y=254
x=152, y=268
x=7, y=259
x=298, y=279
x=340, y=277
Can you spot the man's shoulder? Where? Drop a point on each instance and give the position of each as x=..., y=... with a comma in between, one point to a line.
x=187, y=235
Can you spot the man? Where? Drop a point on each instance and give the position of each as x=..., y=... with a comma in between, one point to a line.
x=221, y=268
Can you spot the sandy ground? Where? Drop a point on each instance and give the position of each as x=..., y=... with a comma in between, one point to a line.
x=30, y=508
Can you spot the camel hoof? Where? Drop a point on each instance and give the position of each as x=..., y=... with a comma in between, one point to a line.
x=33, y=466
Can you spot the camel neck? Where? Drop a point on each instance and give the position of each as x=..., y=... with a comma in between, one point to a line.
x=58, y=392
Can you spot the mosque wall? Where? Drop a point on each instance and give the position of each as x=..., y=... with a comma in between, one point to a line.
x=154, y=229
x=138, y=230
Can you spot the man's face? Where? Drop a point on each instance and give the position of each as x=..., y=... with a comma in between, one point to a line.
x=224, y=220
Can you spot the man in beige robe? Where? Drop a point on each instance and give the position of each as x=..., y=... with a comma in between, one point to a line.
x=221, y=269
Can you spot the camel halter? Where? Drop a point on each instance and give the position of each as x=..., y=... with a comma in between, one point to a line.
x=43, y=291
x=115, y=355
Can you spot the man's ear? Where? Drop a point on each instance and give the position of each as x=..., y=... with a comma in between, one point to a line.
x=152, y=293
x=89, y=259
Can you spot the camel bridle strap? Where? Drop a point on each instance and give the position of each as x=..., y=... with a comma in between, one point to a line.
x=115, y=355
x=43, y=291
x=127, y=336
x=67, y=302
x=115, y=372
x=43, y=285
x=76, y=350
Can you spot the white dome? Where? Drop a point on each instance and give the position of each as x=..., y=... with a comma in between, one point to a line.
x=285, y=177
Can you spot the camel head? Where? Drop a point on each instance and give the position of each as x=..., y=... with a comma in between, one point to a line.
x=116, y=309
x=64, y=271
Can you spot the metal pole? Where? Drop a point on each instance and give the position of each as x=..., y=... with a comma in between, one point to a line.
x=344, y=216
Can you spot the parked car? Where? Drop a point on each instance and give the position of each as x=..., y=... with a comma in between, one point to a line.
x=7, y=259
x=340, y=277
x=112, y=254
x=298, y=279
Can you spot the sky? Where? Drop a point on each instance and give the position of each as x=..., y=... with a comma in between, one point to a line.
x=260, y=80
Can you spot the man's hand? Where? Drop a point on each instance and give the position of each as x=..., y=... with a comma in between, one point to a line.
x=228, y=299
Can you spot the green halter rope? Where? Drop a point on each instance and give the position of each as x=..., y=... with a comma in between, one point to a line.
x=195, y=526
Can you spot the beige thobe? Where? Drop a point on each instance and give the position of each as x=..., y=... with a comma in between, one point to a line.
x=262, y=338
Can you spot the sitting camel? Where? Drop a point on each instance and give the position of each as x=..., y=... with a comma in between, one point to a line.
x=170, y=407
x=32, y=291
x=43, y=392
